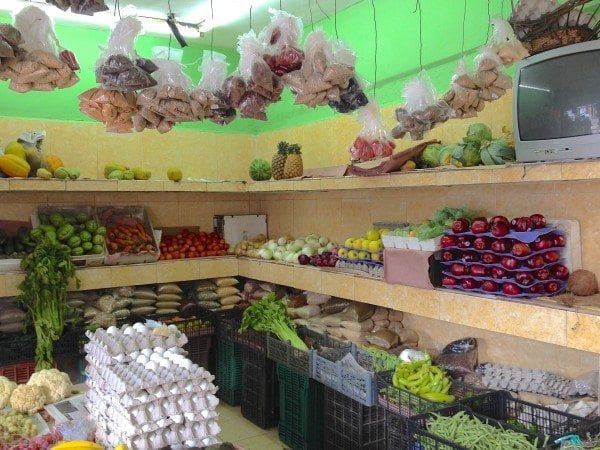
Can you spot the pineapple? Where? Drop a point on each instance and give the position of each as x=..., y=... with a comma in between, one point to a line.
x=293, y=164
x=278, y=161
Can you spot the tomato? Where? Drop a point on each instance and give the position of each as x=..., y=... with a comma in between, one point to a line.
x=221, y=253
x=170, y=249
x=203, y=254
x=192, y=248
x=168, y=256
x=200, y=247
x=179, y=236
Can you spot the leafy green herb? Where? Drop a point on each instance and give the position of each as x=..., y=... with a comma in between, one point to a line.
x=269, y=314
x=48, y=270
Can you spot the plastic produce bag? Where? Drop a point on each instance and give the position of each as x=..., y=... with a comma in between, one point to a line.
x=209, y=100
x=119, y=67
x=160, y=107
x=505, y=43
x=373, y=141
x=490, y=78
x=421, y=111
x=10, y=41
x=459, y=357
x=588, y=384
x=352, y=97
x=45, y=66
x=113, y=108
x=86, y=7
x=281, y=42
x=463, y=96
x=262, y=86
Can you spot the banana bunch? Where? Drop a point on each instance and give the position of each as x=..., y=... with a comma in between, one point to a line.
x=425, y=380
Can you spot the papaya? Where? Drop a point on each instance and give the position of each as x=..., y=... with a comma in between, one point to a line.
x=15, y=148
x=13, y=166
x=111, y=167
x=74, y=173
x=33, y=155
x=51, y=163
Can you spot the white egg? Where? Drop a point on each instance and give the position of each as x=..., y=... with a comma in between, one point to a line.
x=134, y=355
x=150, y=365
x=112, y=330
x=159, y=350
x=165, y=363
x=155, y=357
x=186, y=364
x=147, y=352
x=128, y=330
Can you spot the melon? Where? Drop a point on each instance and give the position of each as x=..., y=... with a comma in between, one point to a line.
x=260, y=170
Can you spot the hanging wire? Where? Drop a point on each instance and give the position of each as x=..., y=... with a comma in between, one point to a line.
x=375, y=55
x=322, y=10
x=502, y=9
x=117, y=10
x=462, y=48
x=212, y=28
x=418, y=8
x=170, y=34
x=250, y=16
x=312, y=23
x=335, y=18
x=280, y=5
x=489, y=27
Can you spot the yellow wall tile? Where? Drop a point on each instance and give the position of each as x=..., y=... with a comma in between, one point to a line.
x=583, y=331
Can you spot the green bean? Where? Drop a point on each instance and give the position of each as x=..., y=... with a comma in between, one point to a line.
x=472, y=433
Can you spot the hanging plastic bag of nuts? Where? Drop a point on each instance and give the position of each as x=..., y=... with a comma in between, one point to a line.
x=422, y=111
x=281, y=41
x=351, y=91
x=463, y=96
x=46, y=65
x=209, y=100
x=490, y=78
x=263, y=87
x=119, y=67
x=161, y=106
x=373, y=141
x=505, y=43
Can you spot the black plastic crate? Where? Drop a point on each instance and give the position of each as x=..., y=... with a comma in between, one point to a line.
x=400, y=401
x=219, y=317
x=397, y=432
x=229, y=329
x=522, y=415
x=300, y=410
x=17, y=348
x=228, y=372
x=198, y=348
x=260, y=388
x=349, y=424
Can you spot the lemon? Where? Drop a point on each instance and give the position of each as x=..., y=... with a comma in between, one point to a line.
x=174, y=174
x=373, y=234
x=15, y=148
x=375, y=246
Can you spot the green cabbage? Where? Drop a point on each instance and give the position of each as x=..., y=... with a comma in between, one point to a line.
x=497, y=151
x=446, y=155
x=431, y=155
x=477, y=133
x=430, y=231
x=467, y=155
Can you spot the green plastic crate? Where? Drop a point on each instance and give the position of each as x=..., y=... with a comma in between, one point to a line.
x=228, y=373
x=300, y=410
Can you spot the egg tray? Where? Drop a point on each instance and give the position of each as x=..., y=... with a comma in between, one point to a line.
x=375, y=270
x=135, y=377
x=128, y=339
x=159, y=407
x=499, y=293
x=488, y=265
x=524, y=236
x=101, y=357
x=154, y=415
x=173, y=434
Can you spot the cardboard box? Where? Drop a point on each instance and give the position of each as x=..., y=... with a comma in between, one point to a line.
x=409, y=267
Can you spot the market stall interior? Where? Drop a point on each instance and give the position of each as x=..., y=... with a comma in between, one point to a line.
x=299, y=224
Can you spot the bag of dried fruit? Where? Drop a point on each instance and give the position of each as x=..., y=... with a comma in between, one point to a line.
x=161, y=106
x=281, y=42
x=119, y=66
x=463, y=96
x=262, y=86
x=46, y=65
x=490, y=77
x=505, y=43
x=373, y=141
x=209, y=100
x=422, y=111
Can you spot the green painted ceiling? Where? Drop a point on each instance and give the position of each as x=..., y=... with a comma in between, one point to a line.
x=397, y=58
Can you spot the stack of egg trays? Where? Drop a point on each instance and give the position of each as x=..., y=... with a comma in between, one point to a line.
x=152, y=411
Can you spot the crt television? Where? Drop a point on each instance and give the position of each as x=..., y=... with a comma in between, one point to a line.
x=556, y=104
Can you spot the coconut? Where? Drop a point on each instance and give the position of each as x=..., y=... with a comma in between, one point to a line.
x=582, y=282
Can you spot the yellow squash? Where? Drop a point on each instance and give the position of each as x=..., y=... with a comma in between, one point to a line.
x=13, y=166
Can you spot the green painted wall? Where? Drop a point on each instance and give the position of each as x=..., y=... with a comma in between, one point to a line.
x=397, y=58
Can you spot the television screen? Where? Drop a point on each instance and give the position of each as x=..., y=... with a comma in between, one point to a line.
x=560, y=97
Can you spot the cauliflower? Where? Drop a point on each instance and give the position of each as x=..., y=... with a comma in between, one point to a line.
x=55, y=384
x=27, y=399
x=6, y=388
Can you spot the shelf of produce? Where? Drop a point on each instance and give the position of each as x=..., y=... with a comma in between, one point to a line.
x=542, y=320
x=510, y=173
x=138, y=274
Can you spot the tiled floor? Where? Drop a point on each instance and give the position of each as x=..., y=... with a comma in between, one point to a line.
x=239, y=431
